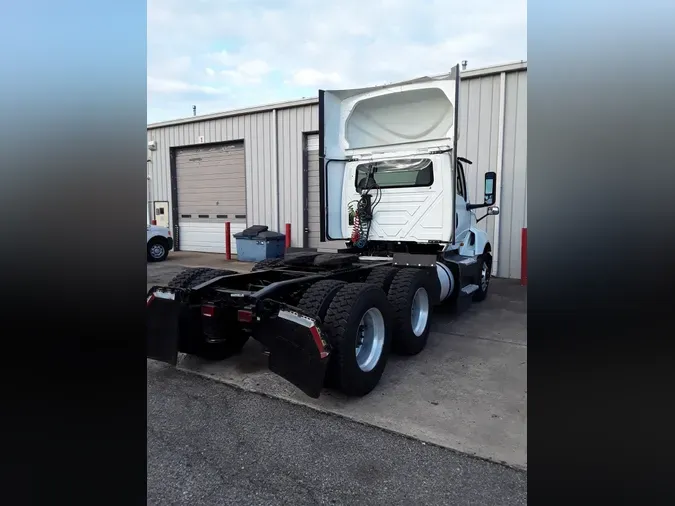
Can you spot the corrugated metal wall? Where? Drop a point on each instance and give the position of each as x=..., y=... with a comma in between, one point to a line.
x=479, y=142
x=291, y=125
x=256, y=130
x=514, y=176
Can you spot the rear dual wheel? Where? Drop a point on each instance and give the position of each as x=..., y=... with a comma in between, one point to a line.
x=235, y=340
x=190, y=278
x=357, y=324
x=231, y=345
x=268, y=263
x=411, y=293
x=362, y=322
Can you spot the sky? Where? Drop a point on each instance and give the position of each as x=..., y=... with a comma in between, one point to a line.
x=227, y=54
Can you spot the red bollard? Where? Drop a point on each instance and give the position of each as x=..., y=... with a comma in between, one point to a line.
x=228, y=243
x=523, y=257
x=288, y=235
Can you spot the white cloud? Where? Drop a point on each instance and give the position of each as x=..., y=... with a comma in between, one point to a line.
x=169, y=86
x=261, y=51
x=223, y=57
x=248, y=72
x=254, y=68
x=311, y=77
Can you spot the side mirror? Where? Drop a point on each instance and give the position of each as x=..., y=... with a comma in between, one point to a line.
x=490, y=185
x=493, y=210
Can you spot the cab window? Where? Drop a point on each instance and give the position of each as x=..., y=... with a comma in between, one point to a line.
x=404, y=173
x=461, y=182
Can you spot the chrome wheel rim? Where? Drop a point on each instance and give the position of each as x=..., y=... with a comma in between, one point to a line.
x=484, y=276
x=157, y=251
x=370, y=339
x=419, y=312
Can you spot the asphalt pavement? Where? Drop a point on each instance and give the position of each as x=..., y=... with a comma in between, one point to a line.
x=213, y=444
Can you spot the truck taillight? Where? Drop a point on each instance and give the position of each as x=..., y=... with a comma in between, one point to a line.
x=245, y=316
x=208, y=310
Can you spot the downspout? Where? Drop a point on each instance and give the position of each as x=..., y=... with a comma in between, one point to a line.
x=499, y=171
x=275, y=168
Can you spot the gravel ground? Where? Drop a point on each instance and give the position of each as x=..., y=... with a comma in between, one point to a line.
x=211, y=444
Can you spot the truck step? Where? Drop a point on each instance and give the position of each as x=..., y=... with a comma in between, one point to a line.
x=465, y=299
x=469, y=289
x=459, y=259
x=467, y=261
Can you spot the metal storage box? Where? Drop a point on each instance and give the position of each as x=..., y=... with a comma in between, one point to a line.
x=256, y=243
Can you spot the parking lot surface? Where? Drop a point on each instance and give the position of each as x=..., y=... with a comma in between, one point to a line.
x=209, y=443
x=466, y=391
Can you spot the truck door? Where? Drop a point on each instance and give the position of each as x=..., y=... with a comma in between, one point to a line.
x=462, y=215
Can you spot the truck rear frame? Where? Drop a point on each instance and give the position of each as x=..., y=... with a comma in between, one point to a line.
x=294, y=311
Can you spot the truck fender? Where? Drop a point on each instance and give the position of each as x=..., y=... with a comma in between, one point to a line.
x=481, y=243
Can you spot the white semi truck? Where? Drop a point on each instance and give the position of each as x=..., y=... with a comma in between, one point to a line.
x=393, y=188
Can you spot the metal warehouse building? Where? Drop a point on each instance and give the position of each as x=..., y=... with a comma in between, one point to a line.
x=260, y=166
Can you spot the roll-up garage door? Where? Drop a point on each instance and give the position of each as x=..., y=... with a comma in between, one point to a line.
x=211, y=187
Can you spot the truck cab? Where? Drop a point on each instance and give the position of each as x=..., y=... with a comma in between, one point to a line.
x=395, y=146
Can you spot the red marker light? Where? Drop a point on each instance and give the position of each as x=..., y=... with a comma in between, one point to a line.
x=245, y=316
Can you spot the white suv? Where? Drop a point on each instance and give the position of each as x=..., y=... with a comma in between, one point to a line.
x=159, y=243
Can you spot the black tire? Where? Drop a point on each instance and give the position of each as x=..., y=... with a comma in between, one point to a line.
x=484, y=262
x=301, y=258
x=158, y=249
x=382, y=277
x=401, y=293
x=209, y=351
x=269, y=263
x=342, y=324
x=183, y=279
x=203, y=277
x=223, y=349
x=236, y=339
x=335, y=260
x=316, y=300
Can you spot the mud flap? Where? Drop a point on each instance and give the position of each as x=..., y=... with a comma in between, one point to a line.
x=297, y=351
x=164, y=313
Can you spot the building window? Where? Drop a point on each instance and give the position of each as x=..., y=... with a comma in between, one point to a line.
x=403, y=173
